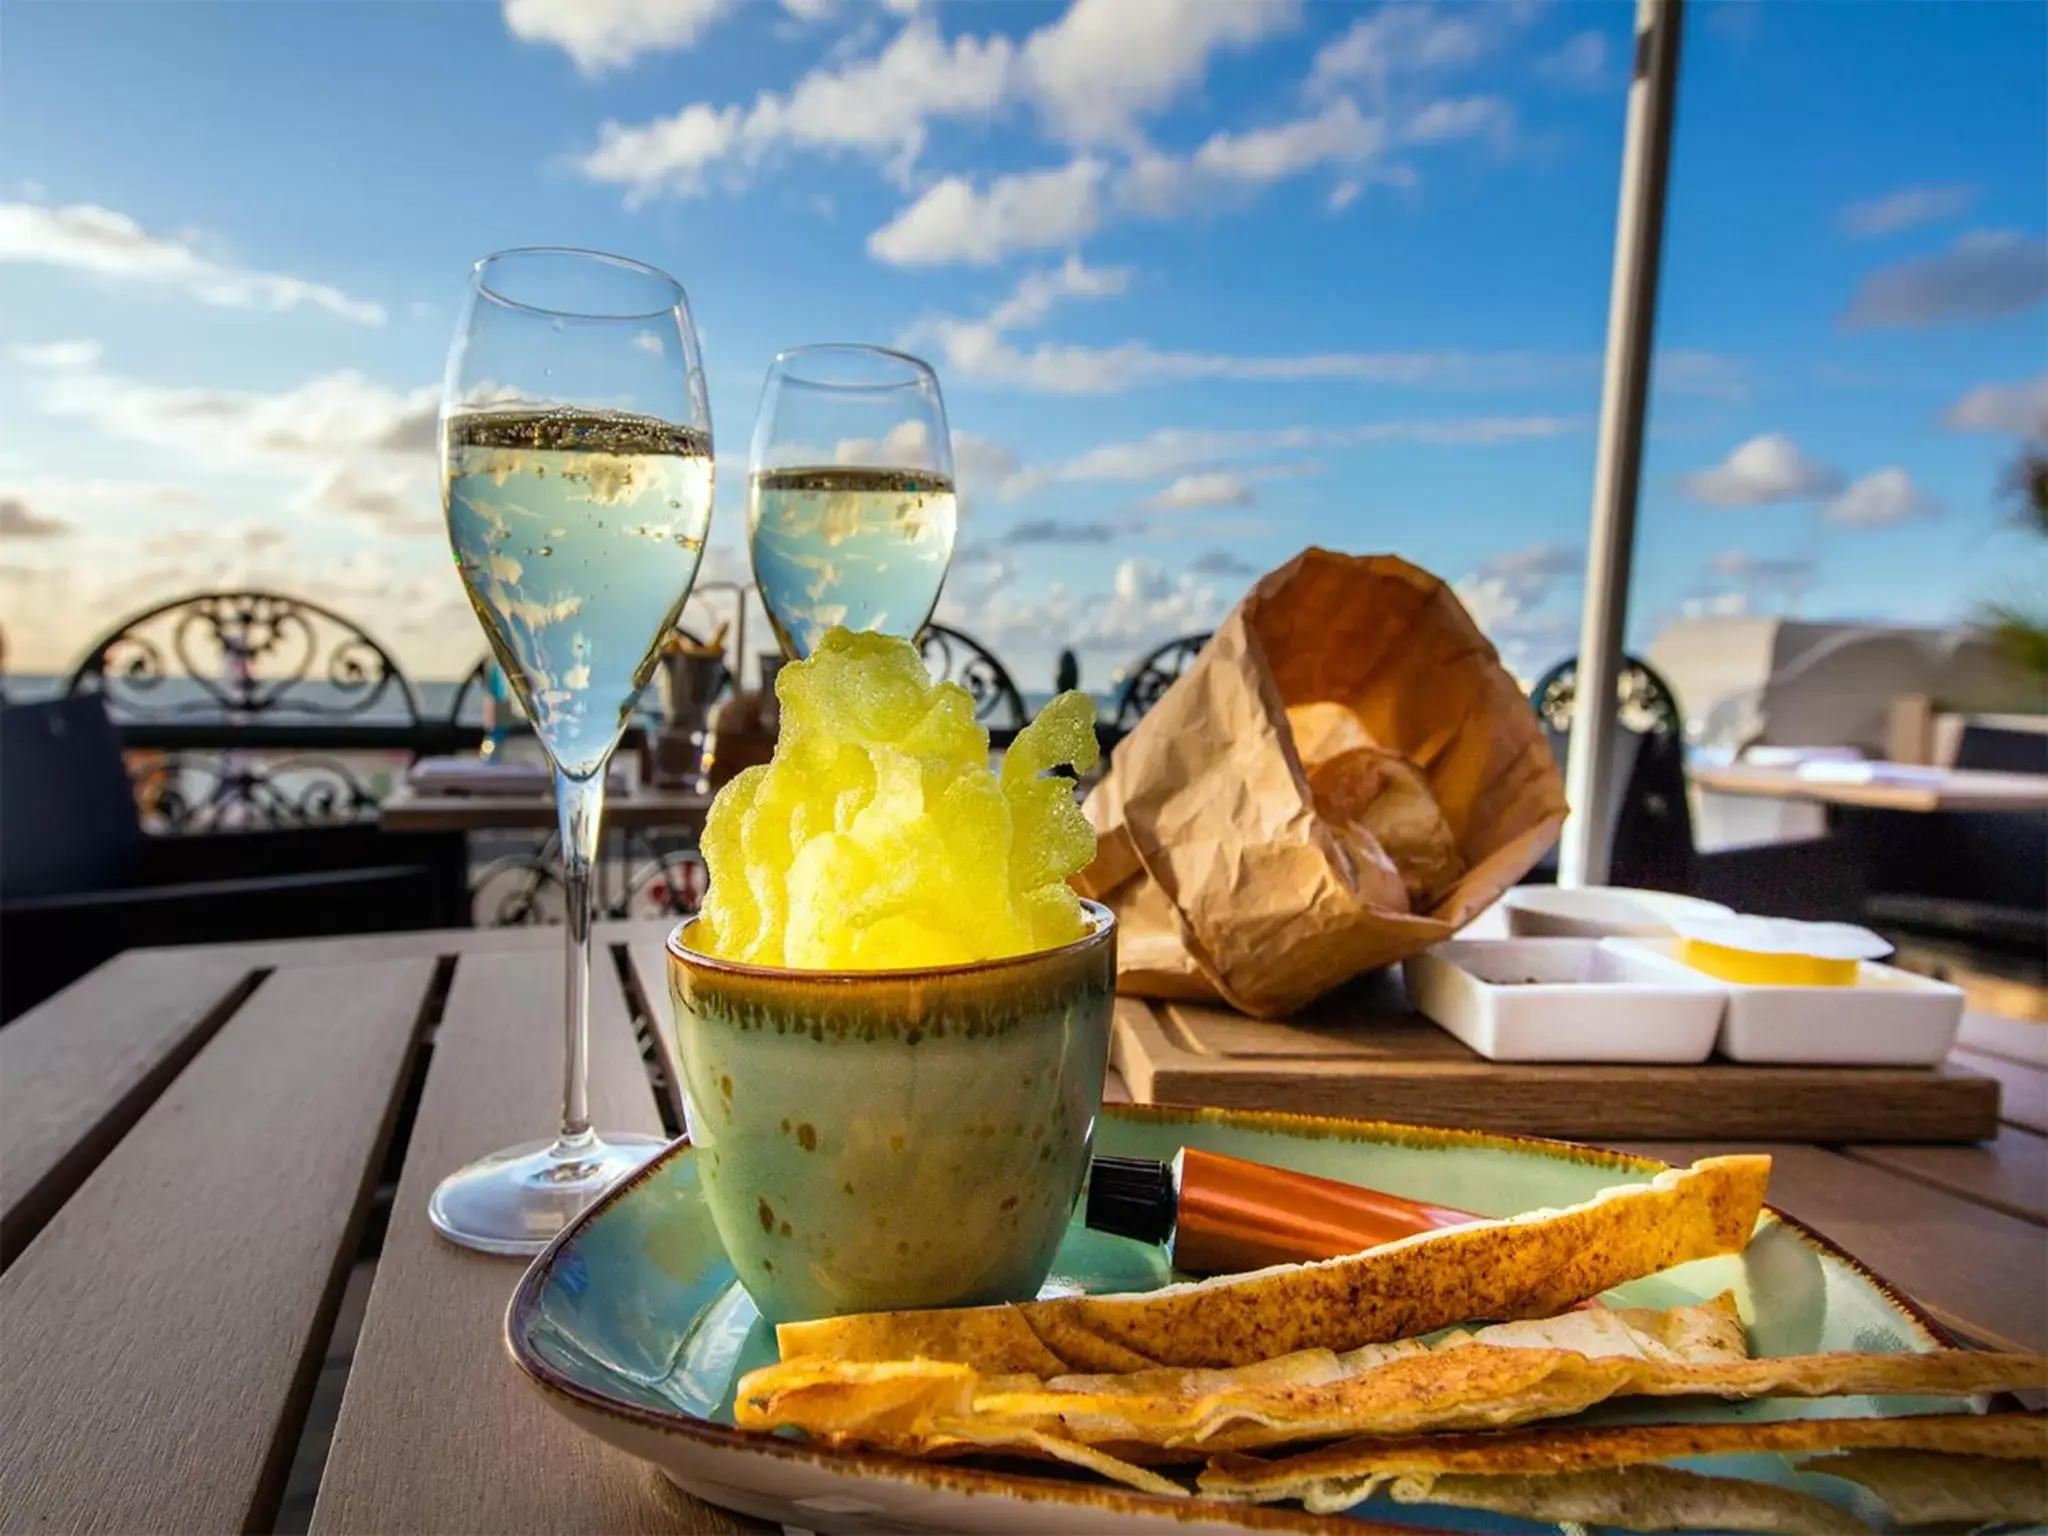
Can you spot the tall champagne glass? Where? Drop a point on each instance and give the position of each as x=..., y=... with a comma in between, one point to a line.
x=851, y=512
x=576, y=476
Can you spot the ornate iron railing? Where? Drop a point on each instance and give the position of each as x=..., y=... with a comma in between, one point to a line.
x=1646, y=703
x=1151, y=677
x=956, y=657
x=258, y=708
x=243, y=655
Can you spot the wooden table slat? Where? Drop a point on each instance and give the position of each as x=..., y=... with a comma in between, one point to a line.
x=2009, y=1173
x=2025, y=1096
x=437, y=1431
x=649, y=959
x=1964, y=1261
x=80, y=1068
x=162, y=1333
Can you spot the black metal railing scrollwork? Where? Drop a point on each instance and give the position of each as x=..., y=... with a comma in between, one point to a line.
x=1152, y=676
x=190, y=793
x=955, y=657
x=243, y=655
x=1645, y=701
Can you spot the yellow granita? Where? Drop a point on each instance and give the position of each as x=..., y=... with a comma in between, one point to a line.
x=880, y=839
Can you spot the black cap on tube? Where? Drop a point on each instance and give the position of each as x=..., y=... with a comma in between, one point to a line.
x=1132, y=1197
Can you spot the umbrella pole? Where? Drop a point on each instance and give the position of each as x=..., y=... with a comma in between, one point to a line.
x=1631, y=327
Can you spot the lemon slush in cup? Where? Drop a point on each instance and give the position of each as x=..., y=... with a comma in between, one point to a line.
x=893, y=1015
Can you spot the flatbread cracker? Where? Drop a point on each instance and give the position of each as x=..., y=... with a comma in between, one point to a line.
x=1331, y=1477
x=1530, y=1266
x=1639, y=1499
x=1923, y=1489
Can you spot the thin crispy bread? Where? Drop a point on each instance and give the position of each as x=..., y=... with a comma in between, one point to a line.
x=1484, y=1387
x=1331, y=1476
x=1528, y=1266
x=1921, y=1489
x=1638, y=1499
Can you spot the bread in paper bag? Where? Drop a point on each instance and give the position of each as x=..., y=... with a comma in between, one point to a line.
x=1228, y=879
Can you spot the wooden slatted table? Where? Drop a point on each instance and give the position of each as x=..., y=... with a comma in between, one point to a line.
x=209, y=1155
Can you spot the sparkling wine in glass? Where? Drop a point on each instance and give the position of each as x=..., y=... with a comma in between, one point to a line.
x=851, y=512
x=576, y=475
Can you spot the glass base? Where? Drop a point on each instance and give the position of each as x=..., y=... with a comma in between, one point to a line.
x=515, y=1201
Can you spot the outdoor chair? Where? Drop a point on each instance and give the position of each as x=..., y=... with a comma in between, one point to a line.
x=1649, y=818
x=80, y=879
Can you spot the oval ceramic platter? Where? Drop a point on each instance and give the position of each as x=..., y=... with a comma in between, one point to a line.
x=632, y=1326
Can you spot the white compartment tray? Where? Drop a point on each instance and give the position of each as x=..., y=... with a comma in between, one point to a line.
x=1565, y=1000
x=1890, y=1018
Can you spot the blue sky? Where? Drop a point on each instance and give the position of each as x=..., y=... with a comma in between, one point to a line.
x=1205, y=281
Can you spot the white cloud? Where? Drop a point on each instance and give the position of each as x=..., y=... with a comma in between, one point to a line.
x=670, y=154
x=1580, y=63
x=1687, y=371
x=976, y=350
x=1037, y=292
x=1542, y=561
x=1211, y=488
x=1507, y=597
x=1908, y=208
x=1023, y=212
x=1144, y=607
x=1790, y=574
x=1339, y=133
x=980, y=464
x=2020, y=409
x=1221, y=562
x=365, y=450
x=604, y=34
x=1107, y=63
x=1174, y=452
x=1055, y=530
x=879, y=107
x=20, y=520
x=1884, y=496
x=1985, y=275
x=87, y=238
x=49, y=506
x=1764, y=469
x=56, y=354
x=1396, y=40
x=1459, y=117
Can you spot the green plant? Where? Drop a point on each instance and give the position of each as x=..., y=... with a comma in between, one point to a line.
x=2018, y=624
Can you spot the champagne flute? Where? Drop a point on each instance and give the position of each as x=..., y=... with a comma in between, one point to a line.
x=577, y=481
x=851, y=512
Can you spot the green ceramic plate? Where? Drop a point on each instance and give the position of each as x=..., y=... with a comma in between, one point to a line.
x=631, y=1325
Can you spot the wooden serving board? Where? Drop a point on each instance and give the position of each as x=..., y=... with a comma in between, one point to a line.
x=1364, y=1053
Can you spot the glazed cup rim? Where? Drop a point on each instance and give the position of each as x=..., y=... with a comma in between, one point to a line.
x=1102, y=919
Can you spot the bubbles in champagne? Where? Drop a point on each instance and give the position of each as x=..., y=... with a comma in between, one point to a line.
x=576, y=610
x=850, y=545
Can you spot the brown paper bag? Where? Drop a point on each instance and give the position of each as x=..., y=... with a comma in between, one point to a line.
x=1225, y=880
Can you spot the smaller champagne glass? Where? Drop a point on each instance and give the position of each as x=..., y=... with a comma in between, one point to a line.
x=576, y=474
x=851, y=512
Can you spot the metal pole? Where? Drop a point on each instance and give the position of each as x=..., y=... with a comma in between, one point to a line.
x=1610, y=549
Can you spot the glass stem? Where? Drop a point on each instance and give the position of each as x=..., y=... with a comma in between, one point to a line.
x=579, y=804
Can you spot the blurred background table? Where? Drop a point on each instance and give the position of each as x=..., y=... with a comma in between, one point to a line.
x=1941, y=789
x=222, y=1306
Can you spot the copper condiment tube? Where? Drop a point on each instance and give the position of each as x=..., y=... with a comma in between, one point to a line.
x=1236, y=1215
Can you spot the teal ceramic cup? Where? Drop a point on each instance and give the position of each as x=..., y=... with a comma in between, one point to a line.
x=875, y=1140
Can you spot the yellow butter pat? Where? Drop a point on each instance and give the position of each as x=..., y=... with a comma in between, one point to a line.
x=1777, y=951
